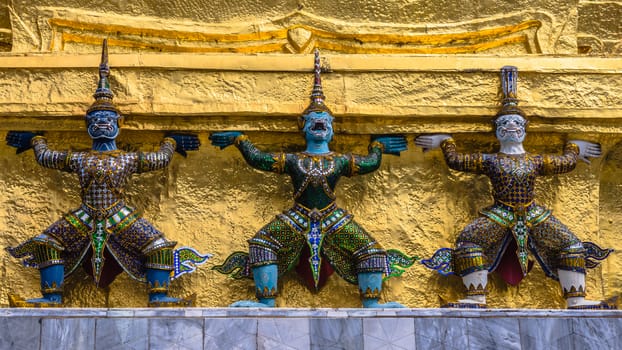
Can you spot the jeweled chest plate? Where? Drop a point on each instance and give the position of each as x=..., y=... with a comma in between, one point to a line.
x=315, y=171
x=103, y=177
x=103, y=168
x=316, y=168
x=513, y=179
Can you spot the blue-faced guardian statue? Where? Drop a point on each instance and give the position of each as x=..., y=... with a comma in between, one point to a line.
x=104, y=234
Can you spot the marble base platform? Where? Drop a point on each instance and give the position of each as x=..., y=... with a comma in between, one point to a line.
x=358, y=329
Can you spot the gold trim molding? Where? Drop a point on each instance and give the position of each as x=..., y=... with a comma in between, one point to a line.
x=337, y=63
x=367, y=93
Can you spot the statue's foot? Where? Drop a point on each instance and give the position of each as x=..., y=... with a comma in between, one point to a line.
x=582, y=304
x=388, y=305
x=464, y=304
x=166, y=301
x=249, y=303
x=49, y=301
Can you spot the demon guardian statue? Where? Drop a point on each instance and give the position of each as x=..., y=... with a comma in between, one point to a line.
x=505, y=234
x=315, y=236
x=104, y=234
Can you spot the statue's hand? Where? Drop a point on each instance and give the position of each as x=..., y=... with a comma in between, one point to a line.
x=429, y=142
x=393, y=144
x=20, y=140
x=224, y=139
x=587, y=150
x=185, y=142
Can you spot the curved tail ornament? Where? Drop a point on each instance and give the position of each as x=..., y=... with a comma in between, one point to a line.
x=186, y=260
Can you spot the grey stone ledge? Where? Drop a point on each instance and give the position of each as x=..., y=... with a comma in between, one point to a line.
x=299, y=328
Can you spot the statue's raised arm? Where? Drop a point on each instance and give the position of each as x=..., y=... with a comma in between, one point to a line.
x=255, y=157
x=152, y=161
x=515, y=228
x=467, y=162
x=379, y=145
x=25, y=140
x=574, y=151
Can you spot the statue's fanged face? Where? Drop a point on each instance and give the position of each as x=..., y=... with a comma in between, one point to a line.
x=510, y=128
x=318, y=126
x=102, y=125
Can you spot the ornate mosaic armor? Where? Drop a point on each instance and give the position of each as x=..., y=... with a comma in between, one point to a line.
x=103, y=220
x=334, y=240
x=104, y=231
x=514, y=226
x=515, y=219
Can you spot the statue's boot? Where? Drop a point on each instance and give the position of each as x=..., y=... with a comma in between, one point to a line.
x=158, y=283
x=52, y=278
x=573, y=287
x=475, y=283
x=266, y=278
x=370, y=286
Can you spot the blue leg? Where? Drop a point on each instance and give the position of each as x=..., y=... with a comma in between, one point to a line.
x=52, y=278
x=266, y=278
x=370, y=285
x=159, y=281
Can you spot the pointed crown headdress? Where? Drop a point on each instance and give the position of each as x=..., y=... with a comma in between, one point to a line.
x=103, y=95
x=509, y=102
x=317, y=95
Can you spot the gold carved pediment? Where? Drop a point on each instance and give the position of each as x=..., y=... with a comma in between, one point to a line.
x=297, y=32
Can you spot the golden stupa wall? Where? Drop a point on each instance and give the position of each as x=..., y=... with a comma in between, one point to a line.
x=391, y=68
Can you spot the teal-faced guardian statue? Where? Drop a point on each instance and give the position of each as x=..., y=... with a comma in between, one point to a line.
x=315, y=236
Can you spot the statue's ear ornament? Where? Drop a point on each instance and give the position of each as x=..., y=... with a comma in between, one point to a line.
x=509, y=102
x=103, y=95
x=317, y=95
